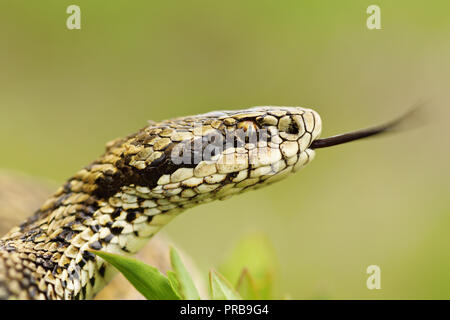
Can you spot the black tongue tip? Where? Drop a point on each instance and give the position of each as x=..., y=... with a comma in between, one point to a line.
x=390, y=126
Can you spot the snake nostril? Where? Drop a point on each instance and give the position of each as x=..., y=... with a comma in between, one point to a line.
x=292, y=128
x=287, y=125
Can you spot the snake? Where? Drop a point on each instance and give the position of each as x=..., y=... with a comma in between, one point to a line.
x=144, y=180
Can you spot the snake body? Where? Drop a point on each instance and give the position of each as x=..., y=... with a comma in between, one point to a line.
x=143, y=181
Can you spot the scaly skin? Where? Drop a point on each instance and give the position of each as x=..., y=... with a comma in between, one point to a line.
x=138, y=185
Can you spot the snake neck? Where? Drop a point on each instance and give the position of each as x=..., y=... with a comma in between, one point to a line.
x=49, y=253
x=51, y=248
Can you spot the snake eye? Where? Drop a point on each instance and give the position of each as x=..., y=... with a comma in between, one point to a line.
x=249, y=129
x=247, y=126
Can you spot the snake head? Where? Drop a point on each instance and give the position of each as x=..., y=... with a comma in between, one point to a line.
x=212, y=155
x=229, y=151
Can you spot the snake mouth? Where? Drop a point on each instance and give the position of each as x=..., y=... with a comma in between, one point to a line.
x=387, y=127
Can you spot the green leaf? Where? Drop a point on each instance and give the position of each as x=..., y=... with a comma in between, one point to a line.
x=146, y=279
x=186, y=287
x=174, y=283
x=221, y=289
x=246, y=286
x=256, y=254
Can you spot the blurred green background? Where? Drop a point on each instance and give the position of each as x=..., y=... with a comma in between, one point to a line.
x=384, y=201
